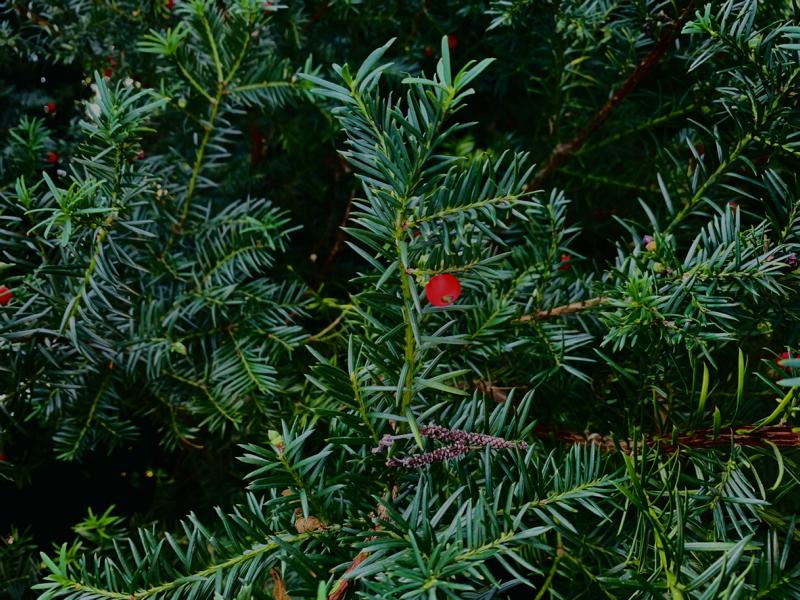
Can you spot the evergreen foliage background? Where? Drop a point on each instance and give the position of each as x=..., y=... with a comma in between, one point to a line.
x=220, y=376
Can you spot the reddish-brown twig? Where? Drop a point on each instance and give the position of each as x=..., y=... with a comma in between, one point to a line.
x=745, y=435
x=564, y=309
x=565, y=150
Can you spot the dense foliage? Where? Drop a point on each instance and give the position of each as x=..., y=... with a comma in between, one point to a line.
x=506, y=307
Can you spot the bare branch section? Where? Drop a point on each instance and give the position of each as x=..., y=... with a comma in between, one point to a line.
x=562, y=152
x=564, y=309
x=747, y=435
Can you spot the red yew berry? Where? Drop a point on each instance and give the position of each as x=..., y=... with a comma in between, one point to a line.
x=140, y=155
x=108, y=72
x=2, y=457
x=443, y=289
x=170, y=4
x=784, y=356
x=452, y=41
x=50, y=108
x=52, y=158
x=565, y=258
x=428, y=51
x=5, y=295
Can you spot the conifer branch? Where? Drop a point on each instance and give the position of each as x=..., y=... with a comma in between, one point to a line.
x=472, y=206
x=699, y=195
x=92, y=409
x=192, y=81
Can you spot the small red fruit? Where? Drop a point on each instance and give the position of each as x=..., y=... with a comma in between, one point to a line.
x=50, y=108
x=170, y=4
x=52, y=158
x=2, y=457
x=565, y=258
x=443, y=290
x=428, y=51
x=784, y=356
x=5, y=295
x=452, y=41
x=140, y=155
x=108, y=72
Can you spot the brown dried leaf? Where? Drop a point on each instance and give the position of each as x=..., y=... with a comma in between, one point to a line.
x=311, y=523
x=279, y=591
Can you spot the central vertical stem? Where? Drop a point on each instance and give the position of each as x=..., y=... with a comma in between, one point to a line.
x=409, y=353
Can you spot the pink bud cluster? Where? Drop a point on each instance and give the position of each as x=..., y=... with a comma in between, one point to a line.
x=419, y=460
x=461, y=443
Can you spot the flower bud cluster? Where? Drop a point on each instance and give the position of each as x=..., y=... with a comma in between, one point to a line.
x=418, y=460
x=437, y=432
x=461, y=443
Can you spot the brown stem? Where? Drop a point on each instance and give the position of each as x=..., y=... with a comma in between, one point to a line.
x=564, y=151
x=564, y=309
x=498, y=394
x=745, y=435
x=342, y=585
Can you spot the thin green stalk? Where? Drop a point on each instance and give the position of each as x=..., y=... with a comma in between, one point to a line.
x=193, y=82
x=213, y=44
x=87, y=276
x=466, y=207
x=643, y=126
x=409, y=352
x=198, y=162
x=246, y=365
x=362, y=408
x=215, y=102
x=711, y=180
x=549, y=580
x=202, y=386
x=90, y=416
x=262, y=85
